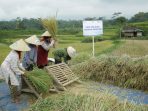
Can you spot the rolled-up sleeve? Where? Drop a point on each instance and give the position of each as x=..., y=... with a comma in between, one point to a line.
x=47, y=46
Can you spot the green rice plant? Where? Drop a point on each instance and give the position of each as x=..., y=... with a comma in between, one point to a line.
x=50, y=24
x=84, y=102
x=40, y=79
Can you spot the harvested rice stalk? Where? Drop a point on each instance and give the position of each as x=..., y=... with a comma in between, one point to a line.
x=50, y=24
x=122, y=71
x=40, y=80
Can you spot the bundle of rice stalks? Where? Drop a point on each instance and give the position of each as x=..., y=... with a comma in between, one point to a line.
x=50, y=24
x=40, y=80
x=123, y=71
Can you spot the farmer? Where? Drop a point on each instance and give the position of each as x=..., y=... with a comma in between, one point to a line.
x=65, y=54
x=11, y=69
x=30, y=57
x=42, y=55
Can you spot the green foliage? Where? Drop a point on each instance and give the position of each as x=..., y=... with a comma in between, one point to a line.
x=140, y=17
x=9, y=36
x=120, y=21
x=4, y=51
x=40, y=80
x=143, y=26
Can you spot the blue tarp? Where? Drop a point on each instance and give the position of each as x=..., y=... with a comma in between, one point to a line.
x=5, y=100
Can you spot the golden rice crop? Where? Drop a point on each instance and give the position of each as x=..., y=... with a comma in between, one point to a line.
x=122, y=71
x=84, y=102
x=50, y=24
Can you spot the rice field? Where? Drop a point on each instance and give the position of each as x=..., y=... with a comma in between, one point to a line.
x=119, y=71
x=80, y=47
x=133, y=48
x=4, y=50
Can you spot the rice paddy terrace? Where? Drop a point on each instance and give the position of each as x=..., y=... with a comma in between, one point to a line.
x=64, y=101
x=133, y=48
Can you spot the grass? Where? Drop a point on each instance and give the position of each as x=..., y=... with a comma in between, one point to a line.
x=134, y=48
x=4, y=52
x=84, y=102
x=80, y=47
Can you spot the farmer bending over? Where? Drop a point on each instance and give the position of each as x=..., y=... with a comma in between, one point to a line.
x=11, y=69
x=65, y=54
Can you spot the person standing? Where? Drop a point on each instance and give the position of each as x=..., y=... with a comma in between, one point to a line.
x=30, y=57
x=42, y=55
x=66, y=54
x=11, y=69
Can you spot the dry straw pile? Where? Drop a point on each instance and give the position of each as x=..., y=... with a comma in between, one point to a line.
x=79, y=102
x=122, y=71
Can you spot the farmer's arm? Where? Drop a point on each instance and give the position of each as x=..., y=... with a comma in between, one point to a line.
x=47, y=46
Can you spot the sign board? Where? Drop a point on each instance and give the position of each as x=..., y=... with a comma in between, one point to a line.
x=92, y=28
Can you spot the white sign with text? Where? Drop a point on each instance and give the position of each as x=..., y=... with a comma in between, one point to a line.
x=92, y=28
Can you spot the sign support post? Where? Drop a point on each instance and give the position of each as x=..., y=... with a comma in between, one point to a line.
x=93, y=51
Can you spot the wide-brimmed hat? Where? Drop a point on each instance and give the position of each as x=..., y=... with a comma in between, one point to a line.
x=33, y=40
x=19, y=45
x=71, y=51
x=46, y=34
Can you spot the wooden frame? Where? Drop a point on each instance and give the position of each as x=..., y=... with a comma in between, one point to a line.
x=61, y=74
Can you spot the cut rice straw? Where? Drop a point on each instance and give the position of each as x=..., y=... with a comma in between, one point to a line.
x=50, y=24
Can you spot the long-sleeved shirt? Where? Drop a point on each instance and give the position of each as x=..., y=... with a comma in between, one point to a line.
x=11, y=67
x=30, y=57
x=47, y=46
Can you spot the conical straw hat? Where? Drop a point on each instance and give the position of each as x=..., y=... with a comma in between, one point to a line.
x=71, y=51
x=46, y=34
x=19, y=45
x=33, y=40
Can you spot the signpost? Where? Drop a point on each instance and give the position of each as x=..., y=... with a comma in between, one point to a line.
x=93, y=28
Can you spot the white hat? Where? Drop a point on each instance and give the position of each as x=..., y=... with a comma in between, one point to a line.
x=19, y=45
x=71, y=51
x=33, y=40
x=46, y=33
